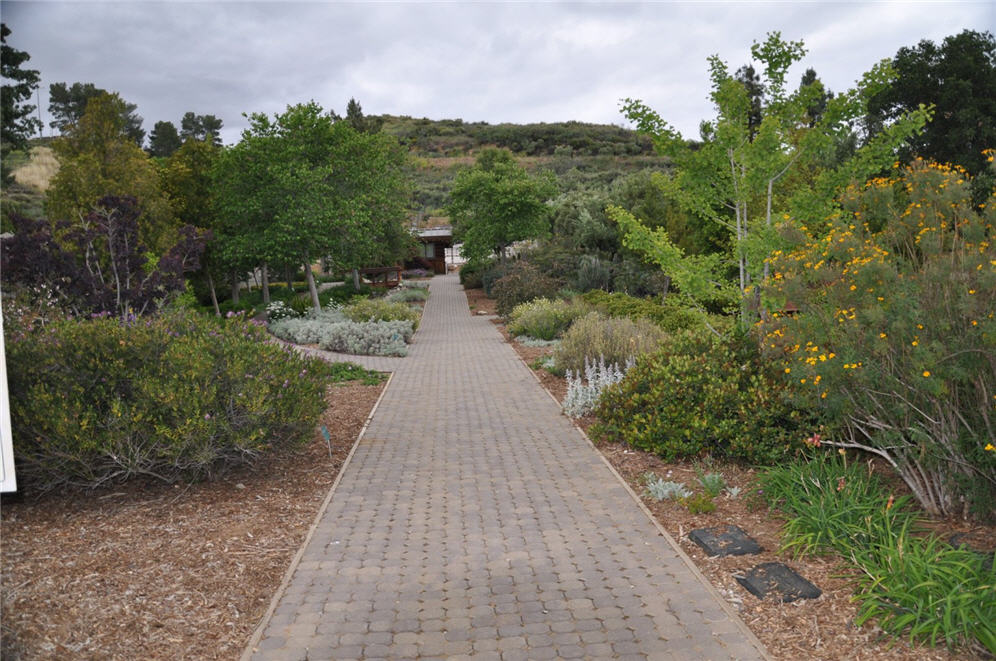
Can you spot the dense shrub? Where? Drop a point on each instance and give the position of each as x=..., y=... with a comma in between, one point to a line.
x=702, y=395
x=542, y=318
x=593, y=274
x=471, y=272
x=491, y=275
x=894, y=342
x=522, y=283
x=595, y=336
x=373, y=309
x=669, y=315
x=174, y=397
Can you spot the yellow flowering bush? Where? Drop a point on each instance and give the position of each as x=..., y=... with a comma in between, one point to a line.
x=885, y=324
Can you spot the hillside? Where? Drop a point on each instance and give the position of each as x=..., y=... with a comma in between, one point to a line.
x=581, y=155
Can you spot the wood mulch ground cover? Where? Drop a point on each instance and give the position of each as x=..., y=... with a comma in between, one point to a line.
x=817, y=629
x=153, y=571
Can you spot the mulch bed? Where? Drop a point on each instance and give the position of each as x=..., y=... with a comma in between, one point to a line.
x=154, y=571
x=817, y=629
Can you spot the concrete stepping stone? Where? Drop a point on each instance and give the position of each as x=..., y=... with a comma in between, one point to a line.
x=779, y=579
x=725, y=540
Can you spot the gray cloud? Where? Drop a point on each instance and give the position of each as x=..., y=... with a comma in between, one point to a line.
x=479, y=62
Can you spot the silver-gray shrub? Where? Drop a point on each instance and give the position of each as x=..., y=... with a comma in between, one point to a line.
x=332, y=331
x=582, y=394
x=660, y=489
x=368, y=338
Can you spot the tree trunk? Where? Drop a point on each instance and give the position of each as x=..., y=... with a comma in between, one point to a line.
x=289, y=275
x=356, y=279
x=312, y=289
x=235, y=287
x=266, y=284
x=214, y=295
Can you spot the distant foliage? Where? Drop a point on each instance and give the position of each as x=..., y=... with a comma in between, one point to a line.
x=669, y=315
x=523, y=282
x=617, y=340
x=178, y=396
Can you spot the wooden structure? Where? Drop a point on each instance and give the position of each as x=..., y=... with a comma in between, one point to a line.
x=434, y=242
x=383, y=276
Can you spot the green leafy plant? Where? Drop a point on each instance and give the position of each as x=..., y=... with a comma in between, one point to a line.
x=670, y=315
x=700, y=395
x=699, y=504
x=179, y=396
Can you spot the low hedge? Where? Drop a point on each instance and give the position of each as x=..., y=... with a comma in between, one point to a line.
x=174, y=397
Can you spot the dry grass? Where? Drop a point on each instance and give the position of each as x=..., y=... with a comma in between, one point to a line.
x=38, y=172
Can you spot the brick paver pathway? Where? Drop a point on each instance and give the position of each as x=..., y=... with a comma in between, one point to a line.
x=474, y=520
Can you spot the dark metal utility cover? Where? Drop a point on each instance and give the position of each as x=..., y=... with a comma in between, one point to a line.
x=777, y=578
x=724, y=540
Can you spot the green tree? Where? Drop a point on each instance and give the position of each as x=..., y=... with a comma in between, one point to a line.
x=17, y=123
x=302, y=186
x=67, y=105
x=201, y=127
x=356, y=118
x=737, y=179
x=186, y=178
x=496, y=203
x=164, y=139
x=98, y=158
x=957, y=77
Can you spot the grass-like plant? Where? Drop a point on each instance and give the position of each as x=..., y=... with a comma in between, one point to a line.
x=912, y=584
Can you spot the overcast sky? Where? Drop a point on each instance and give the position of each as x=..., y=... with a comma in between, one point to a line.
x=493, y=62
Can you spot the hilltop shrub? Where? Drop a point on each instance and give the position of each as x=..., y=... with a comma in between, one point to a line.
x=701, y=395
x=669, y=315
x=542, y=318
x=522, y=283
x=375, y=309
x=175, y=397
x=894, y=343
x=596, y=336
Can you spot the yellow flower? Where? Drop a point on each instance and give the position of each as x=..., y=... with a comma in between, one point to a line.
x=788, y=370
x=990, y=447
x=882, y=335
x=926, y=373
